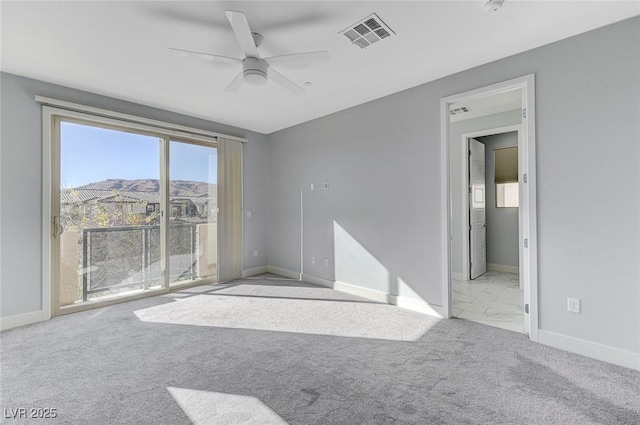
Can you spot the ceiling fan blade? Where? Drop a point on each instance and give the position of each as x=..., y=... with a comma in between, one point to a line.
x=309, y=57
x=235, y=84
x=204, y=56
x=243, y=33
x=284, y=82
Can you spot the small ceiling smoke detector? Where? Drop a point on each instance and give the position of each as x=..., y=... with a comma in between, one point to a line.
x=367, y=31
x=493, y=5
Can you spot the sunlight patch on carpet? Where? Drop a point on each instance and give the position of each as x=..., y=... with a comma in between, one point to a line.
x=343, y=318
x=213, y=408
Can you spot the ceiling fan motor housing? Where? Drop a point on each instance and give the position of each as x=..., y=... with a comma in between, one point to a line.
x=254, y=71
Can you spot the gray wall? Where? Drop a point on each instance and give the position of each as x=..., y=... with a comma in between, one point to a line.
x=457, y=177
x=382, y=160
x=380, y=172
x=502, y=223
x=21, y=184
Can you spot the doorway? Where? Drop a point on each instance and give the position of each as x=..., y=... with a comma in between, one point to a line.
x=488, y=290
x=502, y=108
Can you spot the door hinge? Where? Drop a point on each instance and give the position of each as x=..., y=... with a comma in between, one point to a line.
x=526, y=308
x=524, y=177
x=524, y=112
x=526, y=243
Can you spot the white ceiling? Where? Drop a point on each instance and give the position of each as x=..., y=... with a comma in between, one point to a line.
x=119, y=49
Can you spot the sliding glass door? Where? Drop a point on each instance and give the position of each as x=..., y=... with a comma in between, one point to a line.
x=109, y=207
x=193, y=227
x=133, y=213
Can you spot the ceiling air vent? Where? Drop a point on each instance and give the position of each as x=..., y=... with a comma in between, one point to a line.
x=460, y=110
x=367, y=31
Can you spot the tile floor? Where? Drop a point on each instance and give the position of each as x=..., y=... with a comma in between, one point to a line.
x=495, y=299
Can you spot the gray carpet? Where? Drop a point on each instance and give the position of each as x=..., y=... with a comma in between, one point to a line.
x=266, y=351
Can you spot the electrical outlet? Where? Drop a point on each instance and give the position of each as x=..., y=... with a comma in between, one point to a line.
x=313, y=260
x=255, y=253
x=573, y=305
x=326, y=262
x=326, y=185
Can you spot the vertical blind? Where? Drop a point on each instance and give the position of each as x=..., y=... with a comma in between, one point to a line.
x=230, y=209
x=506, y=165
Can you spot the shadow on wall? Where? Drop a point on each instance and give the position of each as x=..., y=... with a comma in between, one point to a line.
x=356, y=266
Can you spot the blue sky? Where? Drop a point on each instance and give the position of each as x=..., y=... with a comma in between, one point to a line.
x=91, y=154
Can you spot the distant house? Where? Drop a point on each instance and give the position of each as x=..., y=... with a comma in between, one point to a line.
x=145, y=204
x=183, y=207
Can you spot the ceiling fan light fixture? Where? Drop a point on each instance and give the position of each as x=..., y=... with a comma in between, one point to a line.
x=255, y=77
x=255, y=71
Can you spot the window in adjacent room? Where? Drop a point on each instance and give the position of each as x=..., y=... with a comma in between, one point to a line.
x=506, y=177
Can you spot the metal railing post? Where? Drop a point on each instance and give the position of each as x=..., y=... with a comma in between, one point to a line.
x=193, y=249
x=145, y=256
x=85, y=264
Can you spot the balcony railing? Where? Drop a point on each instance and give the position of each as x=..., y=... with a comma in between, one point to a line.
x=121, y=258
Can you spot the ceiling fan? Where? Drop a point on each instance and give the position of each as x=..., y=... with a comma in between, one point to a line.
x=256, y=70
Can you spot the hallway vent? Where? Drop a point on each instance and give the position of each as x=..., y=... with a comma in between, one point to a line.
x=367, y=31
x=459, y=110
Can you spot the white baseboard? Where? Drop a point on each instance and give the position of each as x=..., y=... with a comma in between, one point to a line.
x=371, y=294
x=413, y=304
x=590, y=349
x=254, y=271
x=317, y=280
x=283, y=272
x=419, y=306
x=21, y=319
x=501, y=268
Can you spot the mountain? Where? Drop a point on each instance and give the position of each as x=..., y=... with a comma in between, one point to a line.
x=177, y=188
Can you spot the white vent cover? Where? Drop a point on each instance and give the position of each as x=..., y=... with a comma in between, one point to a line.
x=460, y=110
x=367, y=31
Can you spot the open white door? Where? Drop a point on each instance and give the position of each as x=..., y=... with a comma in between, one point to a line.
x=477, y=211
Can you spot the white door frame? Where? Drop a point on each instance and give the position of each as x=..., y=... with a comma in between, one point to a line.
x=466, y=273
x=528, y=205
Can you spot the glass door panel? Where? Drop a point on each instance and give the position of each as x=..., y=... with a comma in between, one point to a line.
x=193, y=199
x=109, y=214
